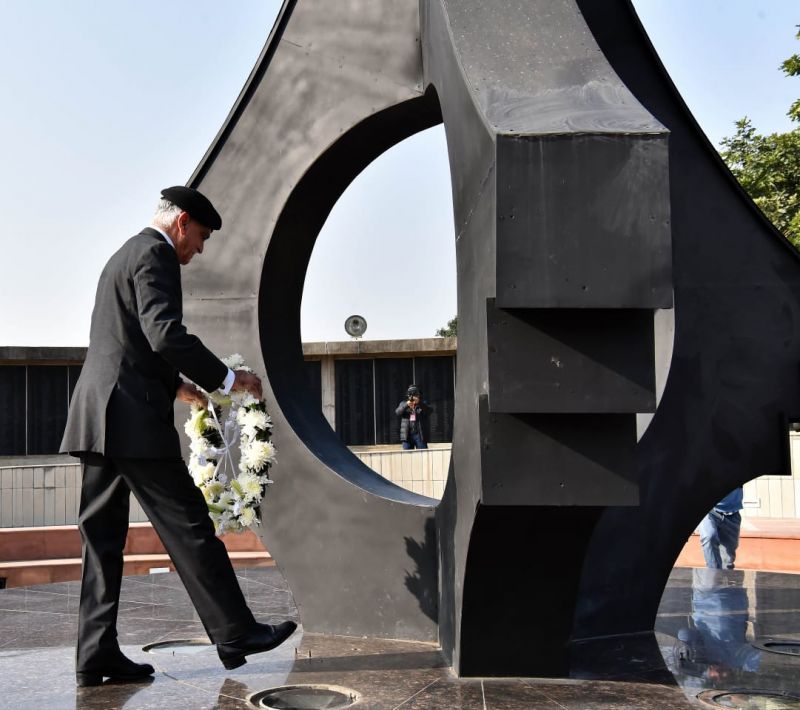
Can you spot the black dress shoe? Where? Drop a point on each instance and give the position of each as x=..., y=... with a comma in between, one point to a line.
x=121, y=670
x=264, y=637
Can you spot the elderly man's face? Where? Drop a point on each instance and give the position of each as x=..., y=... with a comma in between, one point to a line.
x=191, y=238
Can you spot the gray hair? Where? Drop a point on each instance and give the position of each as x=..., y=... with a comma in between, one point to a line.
x=166, y=213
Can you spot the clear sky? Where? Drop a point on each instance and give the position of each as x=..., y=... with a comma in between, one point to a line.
x=103, y=104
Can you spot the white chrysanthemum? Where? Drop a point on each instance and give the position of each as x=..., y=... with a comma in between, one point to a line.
x=247, y=399
x=257, y=455
x=248, y=517
x=199, y=447
x=254, y=418
x=250, y=485
x=232, y=500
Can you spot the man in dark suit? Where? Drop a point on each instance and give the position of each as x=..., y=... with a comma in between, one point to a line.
x=121, y=425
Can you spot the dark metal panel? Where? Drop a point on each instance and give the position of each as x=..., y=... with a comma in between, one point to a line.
x=558, y=459
x=472, y=165
x=355, y=403
x=470, y=146
x=313, y=372
x=570, y=360
x=534, y=67
x=379, y=564
x=734, y=376
x=455, y=514
x=305, y=100
x=510, y=75
x=47, y=408
x=12, y=410
x=74, y=372
x=583, y=222
x=434, y=375
x=392, y=378
x=511, y=599
x=315, y=28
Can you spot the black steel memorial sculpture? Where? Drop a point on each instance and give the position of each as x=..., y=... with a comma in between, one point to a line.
x=588, y=205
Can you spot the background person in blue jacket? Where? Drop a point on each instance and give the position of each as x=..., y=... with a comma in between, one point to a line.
x=413, y=415
x=719, y=531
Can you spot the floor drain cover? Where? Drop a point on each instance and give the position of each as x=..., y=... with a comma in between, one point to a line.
x=179, y=647
x=790, y=647
x=749, y=700
x=305, y=697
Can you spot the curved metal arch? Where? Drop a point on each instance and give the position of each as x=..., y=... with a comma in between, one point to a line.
x=285, y=265
x=734, y=379
x=336, y=85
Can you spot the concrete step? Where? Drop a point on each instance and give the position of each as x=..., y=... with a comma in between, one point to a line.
x=53, y=554
x=28, y=573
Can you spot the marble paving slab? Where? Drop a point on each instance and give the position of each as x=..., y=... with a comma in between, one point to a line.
x=702, y=641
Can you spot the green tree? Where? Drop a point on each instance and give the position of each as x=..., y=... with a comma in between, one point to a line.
x=768, y=167
x=449, y=330
x=791, y=67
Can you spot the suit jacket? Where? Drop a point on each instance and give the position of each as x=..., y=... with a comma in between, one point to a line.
x=123, y=401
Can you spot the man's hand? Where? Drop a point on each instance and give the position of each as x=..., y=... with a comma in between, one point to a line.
x=191, y=395
x=244, y=380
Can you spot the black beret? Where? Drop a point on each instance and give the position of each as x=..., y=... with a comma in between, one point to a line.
x=195, y=203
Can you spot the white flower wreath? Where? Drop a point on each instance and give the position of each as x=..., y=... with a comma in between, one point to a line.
x=233, y=493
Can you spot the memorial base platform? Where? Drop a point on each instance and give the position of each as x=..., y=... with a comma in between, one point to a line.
x=706, y=640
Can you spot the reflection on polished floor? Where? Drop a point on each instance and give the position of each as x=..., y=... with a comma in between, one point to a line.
x=704, y=637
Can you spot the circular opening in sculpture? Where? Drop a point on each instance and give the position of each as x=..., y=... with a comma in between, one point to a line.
x=388, y=240
x=305, y=697
x=387, y=249
x=313, y=415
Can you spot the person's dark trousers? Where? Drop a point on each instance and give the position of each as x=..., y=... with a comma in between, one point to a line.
x=179, y=514
x=415, y=442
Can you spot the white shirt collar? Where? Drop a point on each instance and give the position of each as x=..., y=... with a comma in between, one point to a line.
x=165, y=235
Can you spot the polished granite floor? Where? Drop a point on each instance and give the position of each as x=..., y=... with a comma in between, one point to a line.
x=706, y=624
